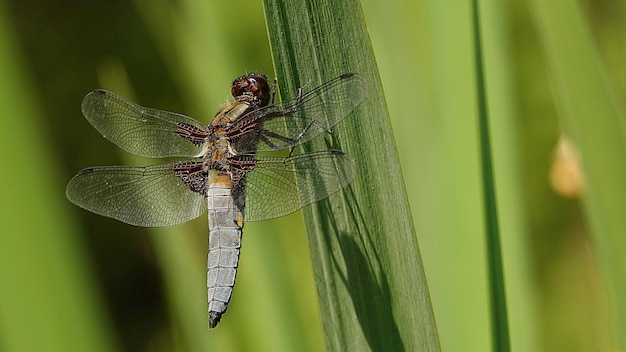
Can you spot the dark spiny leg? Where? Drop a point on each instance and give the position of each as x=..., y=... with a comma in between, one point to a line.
x=270, y=134
x=273, y=89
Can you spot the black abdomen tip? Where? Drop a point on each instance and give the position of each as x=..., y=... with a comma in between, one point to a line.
x=214, y=318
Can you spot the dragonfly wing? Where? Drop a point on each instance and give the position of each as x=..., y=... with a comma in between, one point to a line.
x=297, y=121
x=278, y=186
x=153, y=196
x=143, y=131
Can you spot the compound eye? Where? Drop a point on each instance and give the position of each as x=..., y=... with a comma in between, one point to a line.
x=254, y=86
x=239, y=87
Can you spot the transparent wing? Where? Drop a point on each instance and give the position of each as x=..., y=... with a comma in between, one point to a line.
x=294, y=122
x=279, y=186
x=142, y=131
x=150, y=196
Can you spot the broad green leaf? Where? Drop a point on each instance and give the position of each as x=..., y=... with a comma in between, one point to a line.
x=371, y=286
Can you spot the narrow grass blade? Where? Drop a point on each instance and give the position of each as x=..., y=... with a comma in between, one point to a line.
x=499, y=319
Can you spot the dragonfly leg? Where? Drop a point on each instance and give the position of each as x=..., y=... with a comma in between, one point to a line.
x=265, y=134
x=299, y=95
x=308, y=127
x=273, y=90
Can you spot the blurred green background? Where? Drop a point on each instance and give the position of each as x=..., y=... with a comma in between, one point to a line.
x=71, y=280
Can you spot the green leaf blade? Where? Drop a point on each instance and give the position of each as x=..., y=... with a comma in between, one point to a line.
x=371, y=285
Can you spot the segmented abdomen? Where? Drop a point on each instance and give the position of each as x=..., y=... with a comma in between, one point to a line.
x=225, y=231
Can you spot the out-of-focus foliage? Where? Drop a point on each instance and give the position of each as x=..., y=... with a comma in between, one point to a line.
x=70, y=279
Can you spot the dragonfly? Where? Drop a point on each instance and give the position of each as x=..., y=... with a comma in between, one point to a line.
x=229, y=168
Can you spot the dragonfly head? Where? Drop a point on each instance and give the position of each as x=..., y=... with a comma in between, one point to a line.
x=252, y=87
